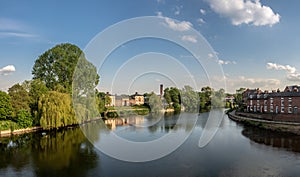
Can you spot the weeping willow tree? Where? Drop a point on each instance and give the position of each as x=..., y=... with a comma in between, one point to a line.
x=55, y=110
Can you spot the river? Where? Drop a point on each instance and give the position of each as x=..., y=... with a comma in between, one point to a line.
x=235, y=150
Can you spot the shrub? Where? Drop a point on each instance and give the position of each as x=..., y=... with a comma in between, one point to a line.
x=24, y=119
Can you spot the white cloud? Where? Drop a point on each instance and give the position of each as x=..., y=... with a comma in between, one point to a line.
x=287, y=68
x=219, y=61
x=13, y=28
x=189, y=38
x=293, y=77
x=245, y=11
x=264, y=83
x=202, y=11
x=292, y=73
x=7, y=70
x=16, y=34
x=178, y=26
x=225, y=62
x=200, y=21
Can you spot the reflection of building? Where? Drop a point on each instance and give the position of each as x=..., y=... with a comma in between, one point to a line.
x=136, y=99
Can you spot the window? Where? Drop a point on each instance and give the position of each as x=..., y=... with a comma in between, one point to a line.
x=251, y=96
x=265, y=102
x=254, y=108
x=282, y=105
x=295, y=110
x=251, y=102
x=266, y=108
x=290, y=110
x=271, y=105
x=271, y=101
x=290, y=101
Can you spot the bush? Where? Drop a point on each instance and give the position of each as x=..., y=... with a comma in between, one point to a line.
x=24, y=119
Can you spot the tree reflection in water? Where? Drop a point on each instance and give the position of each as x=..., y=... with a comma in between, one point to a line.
x=58, y=153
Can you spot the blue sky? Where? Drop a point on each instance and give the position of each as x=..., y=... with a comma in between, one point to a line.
x=256, y=42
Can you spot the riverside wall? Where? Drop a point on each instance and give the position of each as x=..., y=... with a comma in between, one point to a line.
x=265, y=123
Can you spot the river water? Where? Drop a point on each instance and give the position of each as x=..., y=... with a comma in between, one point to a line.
x=235, y=150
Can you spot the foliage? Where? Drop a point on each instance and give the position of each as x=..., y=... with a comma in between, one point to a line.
x=55, y=110
x=6, y=124
x=85, y=79
x=218, y=99
x=56, y=66
x=190, y=99
x=155, y=103
x=205, y=98
x=24, y=119
x=102, y=100
x=19, y=98
x=239, y=96
x=173, y=98
x=85, y=99
x=5, y=106
x=36, y=89
x=112, y=114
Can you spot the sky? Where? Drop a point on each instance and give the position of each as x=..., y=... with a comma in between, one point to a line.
x=254, y=43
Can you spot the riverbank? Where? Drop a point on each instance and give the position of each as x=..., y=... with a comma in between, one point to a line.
x=288, y=127
x=8, y=133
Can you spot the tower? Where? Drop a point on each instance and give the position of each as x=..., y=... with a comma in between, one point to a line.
x=161, y=90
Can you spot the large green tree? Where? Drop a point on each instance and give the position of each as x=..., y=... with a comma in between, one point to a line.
x=19, y=98
x=55, y=110
x=56, y=66
x=5, y=106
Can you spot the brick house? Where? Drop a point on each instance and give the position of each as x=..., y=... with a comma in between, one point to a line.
x=275, y=102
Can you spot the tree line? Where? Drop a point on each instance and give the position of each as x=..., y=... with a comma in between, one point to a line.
x=193, y=101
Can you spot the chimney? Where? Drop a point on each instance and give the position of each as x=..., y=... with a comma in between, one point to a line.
x=161, y=90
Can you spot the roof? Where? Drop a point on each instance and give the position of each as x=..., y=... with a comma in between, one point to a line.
x=289, y=91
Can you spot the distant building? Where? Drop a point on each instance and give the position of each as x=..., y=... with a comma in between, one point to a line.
x=122, y=100
x=112, y=98
x=276, y=102
x=136, y=99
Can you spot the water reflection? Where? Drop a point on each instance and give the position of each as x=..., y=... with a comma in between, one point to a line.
x=58, y=153
x=68, y=153
x=285, y=141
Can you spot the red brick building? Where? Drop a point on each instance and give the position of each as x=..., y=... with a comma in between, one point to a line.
x=275, y=102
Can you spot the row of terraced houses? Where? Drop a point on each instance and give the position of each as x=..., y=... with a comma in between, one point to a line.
x=276, y=101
